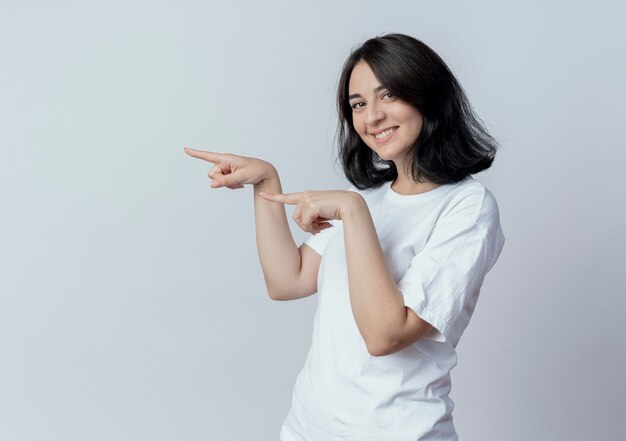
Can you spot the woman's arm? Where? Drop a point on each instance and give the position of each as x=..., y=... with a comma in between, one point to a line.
x=289, y=272
x=279, y=256
x=383, y=320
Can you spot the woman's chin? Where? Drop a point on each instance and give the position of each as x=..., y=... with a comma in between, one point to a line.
x=383, y=156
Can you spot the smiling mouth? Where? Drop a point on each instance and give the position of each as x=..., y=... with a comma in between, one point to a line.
x=385, y=133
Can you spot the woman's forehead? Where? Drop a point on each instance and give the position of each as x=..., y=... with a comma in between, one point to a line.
x=363, y=80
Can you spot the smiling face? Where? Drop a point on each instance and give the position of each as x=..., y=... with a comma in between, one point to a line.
x=386, y=124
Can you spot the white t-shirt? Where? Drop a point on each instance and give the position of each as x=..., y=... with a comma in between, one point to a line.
x=439, y=245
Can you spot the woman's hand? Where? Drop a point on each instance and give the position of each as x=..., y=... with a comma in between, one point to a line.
x=315, y=208
x=232, y=171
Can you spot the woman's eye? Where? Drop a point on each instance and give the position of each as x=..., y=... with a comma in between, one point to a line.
x=356, y=105
x=389, y=94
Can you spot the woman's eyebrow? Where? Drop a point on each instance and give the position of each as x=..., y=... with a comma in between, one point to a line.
x=358, y=95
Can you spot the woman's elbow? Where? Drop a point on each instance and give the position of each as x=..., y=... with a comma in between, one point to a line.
x=379, y=349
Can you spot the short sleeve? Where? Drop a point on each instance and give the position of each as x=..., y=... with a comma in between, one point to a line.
x=319, y=241
x=444, y=278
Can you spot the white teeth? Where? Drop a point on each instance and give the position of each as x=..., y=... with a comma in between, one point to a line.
x=384, y=134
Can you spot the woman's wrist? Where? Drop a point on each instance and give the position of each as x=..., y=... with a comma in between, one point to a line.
x=355, y=207
x=268, y=180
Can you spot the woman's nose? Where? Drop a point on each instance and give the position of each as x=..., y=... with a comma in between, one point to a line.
x=374, y=114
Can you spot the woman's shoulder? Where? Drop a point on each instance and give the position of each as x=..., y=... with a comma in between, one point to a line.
x=468, y=197
x=471, y=199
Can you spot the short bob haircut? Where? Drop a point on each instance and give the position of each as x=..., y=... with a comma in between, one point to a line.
x=453, y=142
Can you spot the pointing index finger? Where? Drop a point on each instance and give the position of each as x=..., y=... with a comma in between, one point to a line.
x=207, y=156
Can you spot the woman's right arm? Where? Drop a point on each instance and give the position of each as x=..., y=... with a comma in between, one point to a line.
x=290, y=272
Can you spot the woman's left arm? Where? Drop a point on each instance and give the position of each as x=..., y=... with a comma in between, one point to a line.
x=383, y=320
x=385, y=323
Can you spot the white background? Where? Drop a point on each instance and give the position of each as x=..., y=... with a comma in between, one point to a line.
x=132, y=303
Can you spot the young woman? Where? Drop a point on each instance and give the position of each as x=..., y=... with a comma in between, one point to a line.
x=397, y=259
